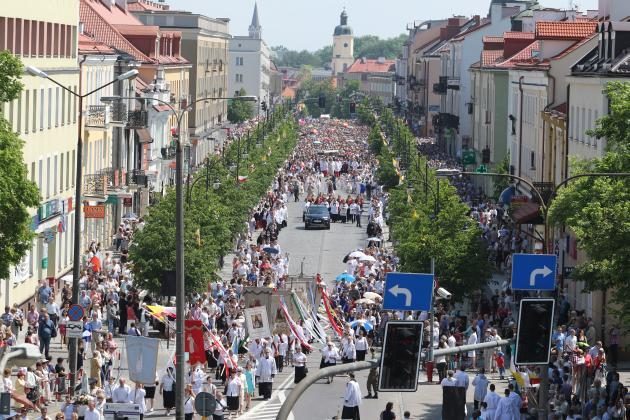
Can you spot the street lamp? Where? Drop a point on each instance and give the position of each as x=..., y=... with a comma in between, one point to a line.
x=180, y=291
x=216, y=185
x=76, y=263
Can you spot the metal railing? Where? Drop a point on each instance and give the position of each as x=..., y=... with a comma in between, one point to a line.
x=97, y=116
x=137, y=119
x=118, y=112
x=95, y=184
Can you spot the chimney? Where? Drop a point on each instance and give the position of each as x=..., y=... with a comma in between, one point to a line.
x=443, y=34
x=477, y=20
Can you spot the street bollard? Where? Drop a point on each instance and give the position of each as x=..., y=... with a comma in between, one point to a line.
x=429, y=365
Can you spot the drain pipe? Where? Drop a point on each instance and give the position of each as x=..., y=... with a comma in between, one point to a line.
x=520, y=127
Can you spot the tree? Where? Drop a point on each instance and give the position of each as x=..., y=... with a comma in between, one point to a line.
x=17, y=193
x=500, y=183
x=597, y=210
x=238, y=110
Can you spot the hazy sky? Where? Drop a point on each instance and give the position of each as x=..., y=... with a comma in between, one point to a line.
x=309, y=24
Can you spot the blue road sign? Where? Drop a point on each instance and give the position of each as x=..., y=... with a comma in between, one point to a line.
x=408, y=292
x=76, y=313
x=534, y=271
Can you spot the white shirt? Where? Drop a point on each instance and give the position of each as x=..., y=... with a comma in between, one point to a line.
x=138, y=398
x=92, y=415
x=299, y=359
x=461, y=378
x=480, y=382
x=121, y=394
x=189, y=404
x=361, y=343
x=448, y=381
x=505, y=410
x=492, y=400
x=352, y=398
x=234, y=386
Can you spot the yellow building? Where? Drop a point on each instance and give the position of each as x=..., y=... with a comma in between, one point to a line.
x=44, y=34
x=343, y=46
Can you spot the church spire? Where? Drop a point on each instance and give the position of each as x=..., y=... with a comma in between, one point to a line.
x=255, y=30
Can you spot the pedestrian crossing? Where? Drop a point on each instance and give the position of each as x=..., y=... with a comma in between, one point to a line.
x=268, y=411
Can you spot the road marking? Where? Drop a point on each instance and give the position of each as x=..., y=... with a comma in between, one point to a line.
x=269, y=407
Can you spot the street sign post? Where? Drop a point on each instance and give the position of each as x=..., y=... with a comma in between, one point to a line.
x=400, y=360
x=534, y=272
x=408, y=292
x=535, y=325
x=76, y=312
x=205, y=404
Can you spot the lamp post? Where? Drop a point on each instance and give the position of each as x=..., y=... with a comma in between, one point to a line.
x=544, y=385
x=76, y=259
x=180, y=291
x=191, y=186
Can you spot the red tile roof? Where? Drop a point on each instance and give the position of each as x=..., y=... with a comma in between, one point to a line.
x=89, y=45
x=372, y=66
x=91, y=14
x=490, y=57
x=519, y=35
x=110, y=26
x=144, y=5
x=488, y=39
x=570, y=31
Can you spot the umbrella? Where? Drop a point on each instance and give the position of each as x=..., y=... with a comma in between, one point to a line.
x=373, y=296
x=362, y=323
x=365, y=301
x=356, y=254
x=374, y=239
x=367, y=258
x=345, y=277
x=130, y=215
x=270, y=250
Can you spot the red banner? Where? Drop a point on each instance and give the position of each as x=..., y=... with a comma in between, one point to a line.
x=193, y=338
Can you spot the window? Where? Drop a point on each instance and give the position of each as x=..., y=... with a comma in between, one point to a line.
x=3, y=39
x=239, y=61
x=49, y=39
x=61, y=184
x=63, y=107
x=18, y=37
x=239, y=78
x=41, y=36
x=34, y=110
x=73, y=166
x=57, y=93
x=532, y=160
x=55, y=175
x=40, y=175
x=50, y=107
x=74, y=106
x=70, y=98
x=68, y=169
x=47, y=177
x=18, y=121
x=41, y=109
x=27, y=111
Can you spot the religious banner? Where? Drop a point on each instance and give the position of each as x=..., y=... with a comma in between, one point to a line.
x=257, y=322
x=142, y=355
x=193, y=339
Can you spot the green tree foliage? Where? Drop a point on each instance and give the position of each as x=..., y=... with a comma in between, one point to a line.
x=239, y=111
x=368, y=46
x=213, y=217
x=17, y=193
x=430, y=225
x=597, y=210
x=386, y=173
x=500, y=183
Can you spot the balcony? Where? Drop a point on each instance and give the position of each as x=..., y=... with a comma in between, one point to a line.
x=137, y=119
x=168, y=153
x=113, y=177
x=97, y=117
x=441, y=87
x=119, y=113
x=95, y=185
x=137, y=178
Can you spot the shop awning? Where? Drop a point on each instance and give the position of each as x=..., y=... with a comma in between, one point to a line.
x=144, y=136
x=525, y=212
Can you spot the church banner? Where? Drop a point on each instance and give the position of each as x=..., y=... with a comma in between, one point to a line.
x=193, y=339
x=142, y=355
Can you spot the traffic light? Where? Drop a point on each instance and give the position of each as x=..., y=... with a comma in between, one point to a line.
x=400, y=359
x=353, y=107
x=322, y=102
x=263, y=105
x=533, y=339
x=485, y=155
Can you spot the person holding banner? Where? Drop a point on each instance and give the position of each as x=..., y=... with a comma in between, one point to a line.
x=299, y=362
x=265, y=372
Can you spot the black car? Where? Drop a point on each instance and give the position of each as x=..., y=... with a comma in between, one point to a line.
x=317, y=216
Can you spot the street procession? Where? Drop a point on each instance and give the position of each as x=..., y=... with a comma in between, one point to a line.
x=424, y=216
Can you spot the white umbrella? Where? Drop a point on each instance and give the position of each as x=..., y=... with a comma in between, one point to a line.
x=374, y=239
x=372, y=295
x=367, y=258
x=356, y=254
x=365, y=301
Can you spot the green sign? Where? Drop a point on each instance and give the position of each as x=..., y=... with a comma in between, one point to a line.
x=482, y=169
x=45, y=262
x=468, y=157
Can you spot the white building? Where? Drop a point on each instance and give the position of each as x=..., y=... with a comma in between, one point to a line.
x=250, y=62
x=343, y=46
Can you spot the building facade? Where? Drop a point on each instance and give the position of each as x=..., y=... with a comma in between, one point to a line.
x=205, y=44
x=45, y=35
x=250, y=63
x=375, y=77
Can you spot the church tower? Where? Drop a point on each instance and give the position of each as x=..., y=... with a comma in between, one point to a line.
x=343, y=46
x=255, y=30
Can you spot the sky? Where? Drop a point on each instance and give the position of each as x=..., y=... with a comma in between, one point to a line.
x=309, y=24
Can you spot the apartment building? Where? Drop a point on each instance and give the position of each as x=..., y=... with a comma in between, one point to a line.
x=205, y=43
x=44, y=34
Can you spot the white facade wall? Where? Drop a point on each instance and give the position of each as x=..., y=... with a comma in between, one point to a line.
x=250, y=67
